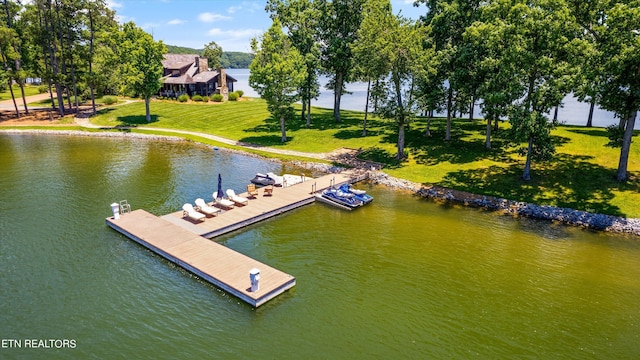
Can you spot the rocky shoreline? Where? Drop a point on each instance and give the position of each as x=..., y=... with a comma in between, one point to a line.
x=566, y=216
x=514, y=208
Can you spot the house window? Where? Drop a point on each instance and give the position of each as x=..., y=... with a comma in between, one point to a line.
x=175, y=72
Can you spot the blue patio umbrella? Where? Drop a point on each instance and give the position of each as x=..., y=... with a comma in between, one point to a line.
x=219, y=194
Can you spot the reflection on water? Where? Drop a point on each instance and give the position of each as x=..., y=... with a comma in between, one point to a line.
x=402, y=277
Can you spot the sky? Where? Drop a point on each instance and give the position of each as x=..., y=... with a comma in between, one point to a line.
x=195, y=23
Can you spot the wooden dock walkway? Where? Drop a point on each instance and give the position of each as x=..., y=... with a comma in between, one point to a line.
x=261, y=207
x=187, y=244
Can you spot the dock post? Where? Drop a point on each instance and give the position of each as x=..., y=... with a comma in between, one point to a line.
x=254, y=277
x=115, y=207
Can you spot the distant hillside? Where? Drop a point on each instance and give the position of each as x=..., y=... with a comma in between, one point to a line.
x=229, y=60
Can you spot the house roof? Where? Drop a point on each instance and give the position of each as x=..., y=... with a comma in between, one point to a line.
x=178, y=61
x=184, y=79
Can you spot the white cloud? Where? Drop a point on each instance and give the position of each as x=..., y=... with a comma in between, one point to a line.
x=175, y=22
x=112, y=4
x=235, y=34
x=248, y=6
x=211, y=17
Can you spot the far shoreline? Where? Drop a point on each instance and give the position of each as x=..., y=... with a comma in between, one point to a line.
x=566, y=216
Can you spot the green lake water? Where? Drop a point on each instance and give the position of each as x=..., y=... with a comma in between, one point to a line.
x=400, y=278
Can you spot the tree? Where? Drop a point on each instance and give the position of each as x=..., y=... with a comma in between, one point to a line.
x=9, y=56
x=369, y=53
x=391, y=46
x=141, y=66
x=448, y=20
x=300, y=18
x=277, y=73
x=213, y=53
x=339, y=23
x=12, y=58
x=613, y=29
x=533, y=42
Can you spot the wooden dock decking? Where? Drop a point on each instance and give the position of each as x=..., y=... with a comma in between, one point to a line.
x=185, y=243
x=260, y=208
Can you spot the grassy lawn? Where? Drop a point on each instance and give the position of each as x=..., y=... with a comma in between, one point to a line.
x=28, y=91
x=581, y=175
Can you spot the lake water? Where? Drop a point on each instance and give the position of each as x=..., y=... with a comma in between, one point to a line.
x=572, y=112
x=400, y=278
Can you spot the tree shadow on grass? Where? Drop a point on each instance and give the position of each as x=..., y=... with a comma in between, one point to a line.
x=382, y=156
x=266, y=140
x=136, y=120
x=596, y=132
x=433, y=150
x=567, y=181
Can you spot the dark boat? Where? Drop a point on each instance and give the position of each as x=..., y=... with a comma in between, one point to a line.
x=263, y=180
x=359, y=194
x=339, y=197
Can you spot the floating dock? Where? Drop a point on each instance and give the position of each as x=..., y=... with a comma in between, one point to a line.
x=188, y=244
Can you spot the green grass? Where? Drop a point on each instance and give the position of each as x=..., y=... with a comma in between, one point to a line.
x=28, y=91
x=581, y=175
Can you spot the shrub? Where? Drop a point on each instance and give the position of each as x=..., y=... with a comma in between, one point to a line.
x=183, y=98
x=233, y=96
x=240, y=93
x=43, y=89
x=216, y=98
x=109, y=100
x=196, y=98
x=205, y=98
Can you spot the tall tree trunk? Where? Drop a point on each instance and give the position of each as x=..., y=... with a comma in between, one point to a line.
x=526, y=175
x=401, y=120
x=400, y=155
x=447, y=135
x=63, y=58
x=472, y=107
x=147, y=100
x=309, y=111
x=366, y=109
x=283, y=130
x=15, y=104
x=16, y=63
x=53, y=58
x=487, y=141
x=555, y=114
x=24, y=98
x=303, y=113
x=73, y=67
x=337, y=96
x=91, y=80
x=590, y=118
x=427, y=131
x=626, y=147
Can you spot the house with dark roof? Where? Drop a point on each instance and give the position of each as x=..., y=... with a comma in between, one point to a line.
x=189, y=74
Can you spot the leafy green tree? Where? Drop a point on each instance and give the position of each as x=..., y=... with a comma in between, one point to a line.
x=613, y=28
x=8, y=57
x=391, y=46
x=300, y=17
x=277, y=73
x=532, y=42
x=213, y=53
x=369, y=53
x=14, y=57
x=448, y=20
x=141, y=66
x=338, y=23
